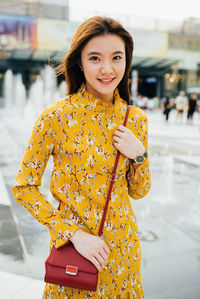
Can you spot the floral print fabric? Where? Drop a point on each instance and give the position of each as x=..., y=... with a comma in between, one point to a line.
x=77, y=131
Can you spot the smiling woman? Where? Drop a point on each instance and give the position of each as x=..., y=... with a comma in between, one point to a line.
x=84, y=133
x=103, y=62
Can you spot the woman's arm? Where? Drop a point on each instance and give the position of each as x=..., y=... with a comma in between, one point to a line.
x=132, y=143
x=26, y=187
x=139, y=176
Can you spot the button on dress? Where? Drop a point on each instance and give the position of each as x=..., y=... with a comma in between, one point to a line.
x=78, y=132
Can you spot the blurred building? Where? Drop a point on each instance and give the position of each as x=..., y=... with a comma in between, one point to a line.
x=54, y=9
x=184, y=44
x=33, y=33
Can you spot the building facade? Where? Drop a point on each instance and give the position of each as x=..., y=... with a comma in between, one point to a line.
x=52, y=9
x=184, y=44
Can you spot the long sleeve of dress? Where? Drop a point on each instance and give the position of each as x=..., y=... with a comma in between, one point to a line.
x=26, y=187
x=139, y=180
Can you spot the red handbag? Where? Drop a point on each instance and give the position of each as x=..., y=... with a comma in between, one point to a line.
x=65, y=266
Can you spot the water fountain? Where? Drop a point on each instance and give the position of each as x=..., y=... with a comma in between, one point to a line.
x=34, y=105
x=168, y=169
x=8, y=90
x=19, y=95
x=49, y=80
x=62, y=88
x=41, y=93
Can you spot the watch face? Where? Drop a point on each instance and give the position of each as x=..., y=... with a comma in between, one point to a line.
x=139, y=159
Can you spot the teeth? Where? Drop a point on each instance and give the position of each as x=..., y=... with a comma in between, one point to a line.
x=106, y=80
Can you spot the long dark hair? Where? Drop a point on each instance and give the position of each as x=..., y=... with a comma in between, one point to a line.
x=95, y=26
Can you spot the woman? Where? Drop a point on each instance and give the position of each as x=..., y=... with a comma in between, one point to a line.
x=83, y=133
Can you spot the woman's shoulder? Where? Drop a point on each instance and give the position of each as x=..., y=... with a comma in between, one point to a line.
x=56, y=107
x=137, y=113
x=134, y=111
x=137, y=121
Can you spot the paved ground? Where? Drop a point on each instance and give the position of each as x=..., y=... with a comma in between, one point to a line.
x=168, y=217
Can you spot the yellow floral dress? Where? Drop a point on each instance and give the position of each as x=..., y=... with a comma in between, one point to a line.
x=78, y=132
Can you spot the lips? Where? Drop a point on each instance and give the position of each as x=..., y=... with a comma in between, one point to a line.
x=106, y=81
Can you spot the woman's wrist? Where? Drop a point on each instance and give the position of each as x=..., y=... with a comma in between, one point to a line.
x=75, y=236
x=142, y=153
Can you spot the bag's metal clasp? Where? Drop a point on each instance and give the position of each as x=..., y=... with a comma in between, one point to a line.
x=71, y=270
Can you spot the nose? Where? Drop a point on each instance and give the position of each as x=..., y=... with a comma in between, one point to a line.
x=106, y=68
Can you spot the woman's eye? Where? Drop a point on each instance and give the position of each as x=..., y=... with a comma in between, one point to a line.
x=94, y=58
x=117, y=57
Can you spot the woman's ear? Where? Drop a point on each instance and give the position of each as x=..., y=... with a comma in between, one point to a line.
x=80, y=65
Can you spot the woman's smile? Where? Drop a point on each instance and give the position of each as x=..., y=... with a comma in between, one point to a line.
x=106, y=81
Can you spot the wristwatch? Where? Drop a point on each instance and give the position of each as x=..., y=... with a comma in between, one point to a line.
x=140, y=159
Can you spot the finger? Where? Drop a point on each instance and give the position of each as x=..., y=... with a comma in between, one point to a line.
x=104, y=255
x=116, y=139
x=107, y=250
x=100, y=259
x=116, y=145
x=96, y=263
x=121, y=128
x=118, y=133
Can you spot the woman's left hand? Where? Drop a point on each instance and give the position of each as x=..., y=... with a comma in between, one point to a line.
x=127, y=143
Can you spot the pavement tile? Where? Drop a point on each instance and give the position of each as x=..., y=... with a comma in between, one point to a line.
x=19, y=287
x=33, y=290
x=9, y=236
x=184, y=293
x=4, y=198
x=171, y=274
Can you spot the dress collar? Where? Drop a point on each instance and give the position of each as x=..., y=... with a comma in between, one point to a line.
x=97, y=103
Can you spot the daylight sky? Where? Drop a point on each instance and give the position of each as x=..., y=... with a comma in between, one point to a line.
x=161, y=9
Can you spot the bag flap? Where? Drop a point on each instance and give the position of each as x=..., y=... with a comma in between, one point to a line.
x=68, y=255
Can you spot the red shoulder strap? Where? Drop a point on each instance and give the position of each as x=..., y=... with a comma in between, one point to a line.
x=112, y=180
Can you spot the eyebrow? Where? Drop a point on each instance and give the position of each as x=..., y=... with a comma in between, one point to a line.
x=98, y=53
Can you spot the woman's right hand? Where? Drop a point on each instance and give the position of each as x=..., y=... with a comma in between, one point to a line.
x=91, y=247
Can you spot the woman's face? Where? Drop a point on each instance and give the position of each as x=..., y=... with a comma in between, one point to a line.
x=103, y=62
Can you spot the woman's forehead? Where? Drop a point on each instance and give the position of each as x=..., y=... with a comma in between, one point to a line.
x=107, y=42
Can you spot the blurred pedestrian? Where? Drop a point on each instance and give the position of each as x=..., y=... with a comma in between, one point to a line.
x=167, y=105
x=192, y=104
x=84, y=132
x=181, y=104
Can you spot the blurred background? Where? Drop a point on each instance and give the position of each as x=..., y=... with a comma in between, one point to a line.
x=164, y=81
